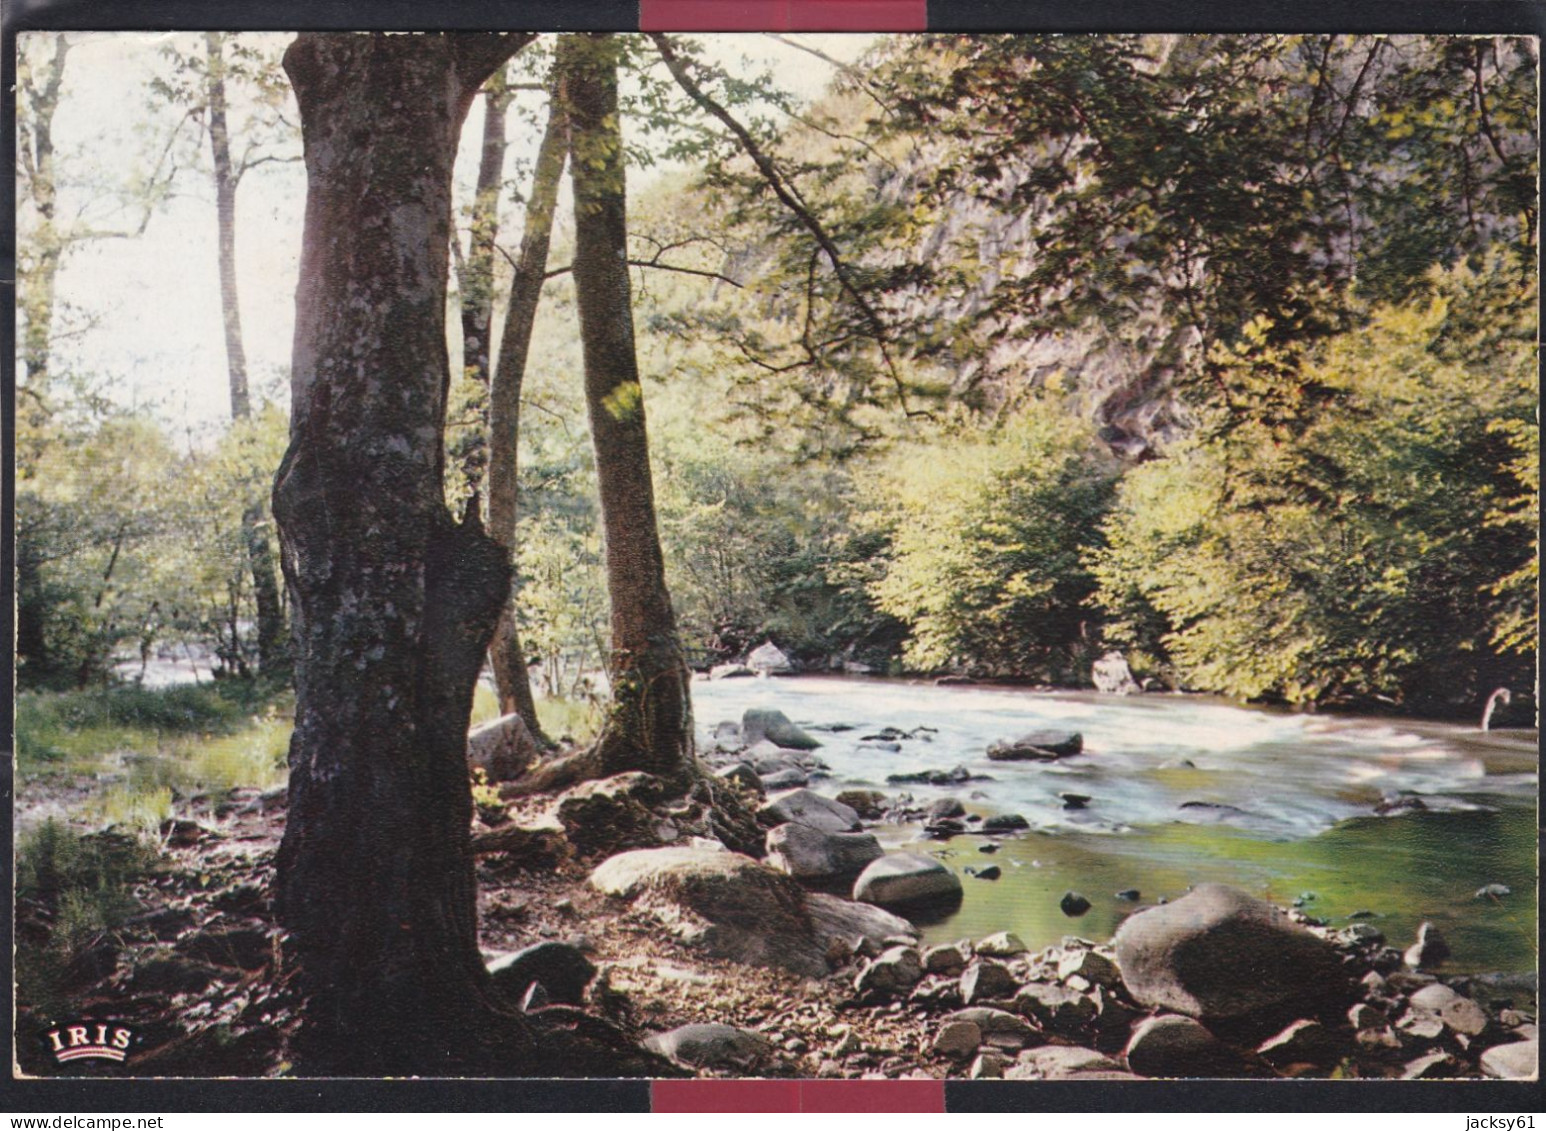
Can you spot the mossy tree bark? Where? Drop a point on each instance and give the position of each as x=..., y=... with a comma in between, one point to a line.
x=394, y=601
x=650, y=722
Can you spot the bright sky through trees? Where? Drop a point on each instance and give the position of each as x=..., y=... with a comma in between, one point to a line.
x=149, y=308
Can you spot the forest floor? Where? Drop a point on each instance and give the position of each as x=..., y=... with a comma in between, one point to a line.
x=198, y=967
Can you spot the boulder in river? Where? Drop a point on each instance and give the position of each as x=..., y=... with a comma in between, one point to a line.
x=1219, y=953
x=1004, y=823
x=944, y=807
x=1073, y=904
x=731, y=671
x=1112, y=676
x=760, y=723
x=870, y=804
x=1037, y=746
x=903, y=879
x=804, y=807
x=953, y=776
x=809, y=853
x=769, y=659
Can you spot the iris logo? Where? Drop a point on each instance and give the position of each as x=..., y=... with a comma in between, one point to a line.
x=88, y=1041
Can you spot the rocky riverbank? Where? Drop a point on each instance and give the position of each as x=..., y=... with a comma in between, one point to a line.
x=741, y=932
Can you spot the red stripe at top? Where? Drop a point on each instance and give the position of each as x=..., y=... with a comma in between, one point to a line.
x=783, y=15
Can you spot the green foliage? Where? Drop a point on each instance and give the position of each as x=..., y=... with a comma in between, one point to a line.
x=987, y=532
x=54, y=862
x=89, y=508
x=122, y=542
x=1356, y=555
x=758, y=547
x=79, y=885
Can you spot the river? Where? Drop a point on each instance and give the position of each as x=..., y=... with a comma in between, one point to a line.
x=1288, y=814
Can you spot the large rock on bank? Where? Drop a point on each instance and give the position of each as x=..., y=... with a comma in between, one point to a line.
x=904, y=879
x=835, y=918
x=502, y=749
x=803, y=807
x=1220, y=953
x=809, y=853
x=728, y=904
x=769, y=659
x=736, y=908
x=716, y=1046
x=760, y=723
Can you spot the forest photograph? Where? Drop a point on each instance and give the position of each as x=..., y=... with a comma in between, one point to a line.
x=810, y=556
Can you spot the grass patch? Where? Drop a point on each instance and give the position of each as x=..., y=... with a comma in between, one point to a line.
x=578, y=720
x=55, y=863
x=143, y=745
x=254, y=756
x=70, y=731
x=72, y=887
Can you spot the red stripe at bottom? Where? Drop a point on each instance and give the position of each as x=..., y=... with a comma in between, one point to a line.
x=783, y=15
x=797, y=1095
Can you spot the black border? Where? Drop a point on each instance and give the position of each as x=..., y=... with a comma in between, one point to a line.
x=1520, y=17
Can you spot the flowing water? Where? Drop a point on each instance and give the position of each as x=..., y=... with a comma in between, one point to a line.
x=1286, y=806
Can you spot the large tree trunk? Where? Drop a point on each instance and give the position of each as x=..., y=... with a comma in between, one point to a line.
x=393, y=600
x=260, y=558
x=510, y=672
x=650, y=722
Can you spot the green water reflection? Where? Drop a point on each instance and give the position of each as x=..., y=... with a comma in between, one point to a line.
x=1404, y=869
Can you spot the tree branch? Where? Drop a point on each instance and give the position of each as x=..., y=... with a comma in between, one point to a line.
x=846, y=69
x=564, y=270
x=790, y=197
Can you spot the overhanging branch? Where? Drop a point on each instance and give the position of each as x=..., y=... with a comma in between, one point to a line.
x=790, y=197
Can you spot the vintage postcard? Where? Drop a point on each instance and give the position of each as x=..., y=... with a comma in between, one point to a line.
x=933, y=557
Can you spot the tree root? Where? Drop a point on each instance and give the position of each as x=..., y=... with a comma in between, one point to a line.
x=561, y=773
x=730, y=818
x=577, y=1043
